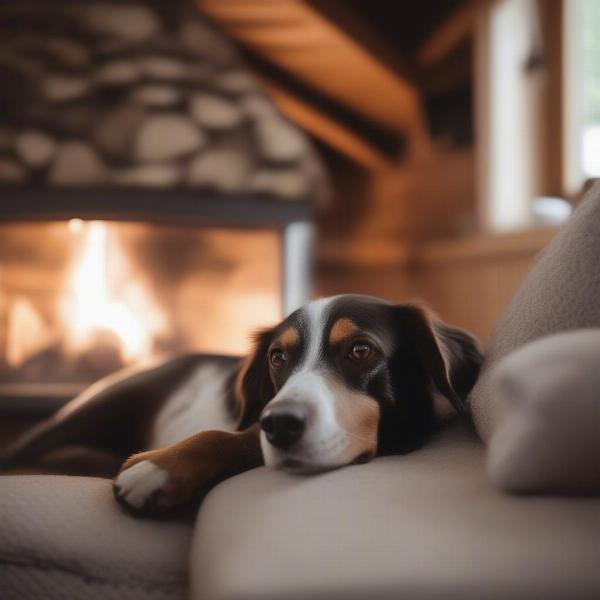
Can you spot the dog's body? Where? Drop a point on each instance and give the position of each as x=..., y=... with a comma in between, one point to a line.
x=336, y=382
x=198, y=403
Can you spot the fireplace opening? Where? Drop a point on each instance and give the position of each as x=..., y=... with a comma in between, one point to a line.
x=80, y=299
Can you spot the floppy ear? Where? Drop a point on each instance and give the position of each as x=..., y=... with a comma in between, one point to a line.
x=253, y=385
x=450, y=356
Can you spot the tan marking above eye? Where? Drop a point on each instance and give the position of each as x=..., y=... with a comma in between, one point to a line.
x=289, y=337
x=342, y=329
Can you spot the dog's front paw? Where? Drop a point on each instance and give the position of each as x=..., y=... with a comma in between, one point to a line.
x=144, y=488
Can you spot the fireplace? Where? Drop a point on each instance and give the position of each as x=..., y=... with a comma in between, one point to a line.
x=153, y=200
x=84, y=293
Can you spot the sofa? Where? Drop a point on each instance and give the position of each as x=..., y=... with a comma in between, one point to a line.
x=491, y=511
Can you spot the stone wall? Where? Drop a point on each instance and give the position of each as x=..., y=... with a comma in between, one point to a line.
x=124, y=93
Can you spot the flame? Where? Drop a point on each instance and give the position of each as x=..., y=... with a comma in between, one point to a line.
x=26, y=333
x=93, y=307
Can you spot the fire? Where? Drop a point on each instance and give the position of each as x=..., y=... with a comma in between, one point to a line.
x=99, y=302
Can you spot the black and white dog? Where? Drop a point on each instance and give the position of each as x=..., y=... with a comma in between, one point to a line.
x=336, y=382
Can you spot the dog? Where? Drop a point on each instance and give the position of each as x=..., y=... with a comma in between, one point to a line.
x=335, y=383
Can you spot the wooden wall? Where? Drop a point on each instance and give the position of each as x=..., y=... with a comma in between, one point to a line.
x=467, y=281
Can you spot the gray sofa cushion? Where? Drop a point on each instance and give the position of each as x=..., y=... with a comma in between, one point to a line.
x=548, y=433
x=425, y=525
x=559, y=294
x=65, y=537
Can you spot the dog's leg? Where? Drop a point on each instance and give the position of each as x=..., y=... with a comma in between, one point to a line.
x=158, y=481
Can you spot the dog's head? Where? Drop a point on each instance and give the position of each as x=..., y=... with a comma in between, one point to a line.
x=344, y=377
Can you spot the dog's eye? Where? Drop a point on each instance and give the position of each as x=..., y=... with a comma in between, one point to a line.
x=277, y=359
x=360, y=351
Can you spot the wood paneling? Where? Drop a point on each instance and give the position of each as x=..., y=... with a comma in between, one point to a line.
x=466, y=281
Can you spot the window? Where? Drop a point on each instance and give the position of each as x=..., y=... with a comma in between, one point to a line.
x=518, y=116
x=509, y=120
x=582, y=92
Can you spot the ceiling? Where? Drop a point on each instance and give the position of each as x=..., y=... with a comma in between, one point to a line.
x=373, y=80
x=403, y=26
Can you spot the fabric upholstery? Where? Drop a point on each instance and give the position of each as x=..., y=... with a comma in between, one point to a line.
x=547, y=439
x=421, y=526
x=65, y=537
x=559, y=294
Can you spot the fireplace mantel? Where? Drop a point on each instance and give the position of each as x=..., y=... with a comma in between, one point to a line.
x=18, y=203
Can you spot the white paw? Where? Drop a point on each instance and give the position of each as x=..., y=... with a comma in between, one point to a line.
x=141, y=484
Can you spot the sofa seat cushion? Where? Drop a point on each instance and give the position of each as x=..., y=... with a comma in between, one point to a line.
x=65, y=537
x=425, y=525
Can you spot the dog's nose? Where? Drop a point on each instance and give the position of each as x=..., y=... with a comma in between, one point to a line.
x=284, y=423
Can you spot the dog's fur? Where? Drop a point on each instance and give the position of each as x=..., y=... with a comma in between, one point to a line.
x=365, y=376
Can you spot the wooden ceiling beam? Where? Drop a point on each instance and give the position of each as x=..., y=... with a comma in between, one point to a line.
x=297, y=38
x=328, y=130
x=450, y=34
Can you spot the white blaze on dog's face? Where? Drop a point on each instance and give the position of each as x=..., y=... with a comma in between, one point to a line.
x=347, y=376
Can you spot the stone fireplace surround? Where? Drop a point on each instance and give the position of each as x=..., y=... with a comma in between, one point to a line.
x=142, y=111
x=139, y=94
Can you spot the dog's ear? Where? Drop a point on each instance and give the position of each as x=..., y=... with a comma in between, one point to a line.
x=451, y=357
x=253, y=385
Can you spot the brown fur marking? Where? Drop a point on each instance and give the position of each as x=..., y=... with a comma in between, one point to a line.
x=289, y=338
x=358, y=414
x=342, y=329
x=199, y=460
